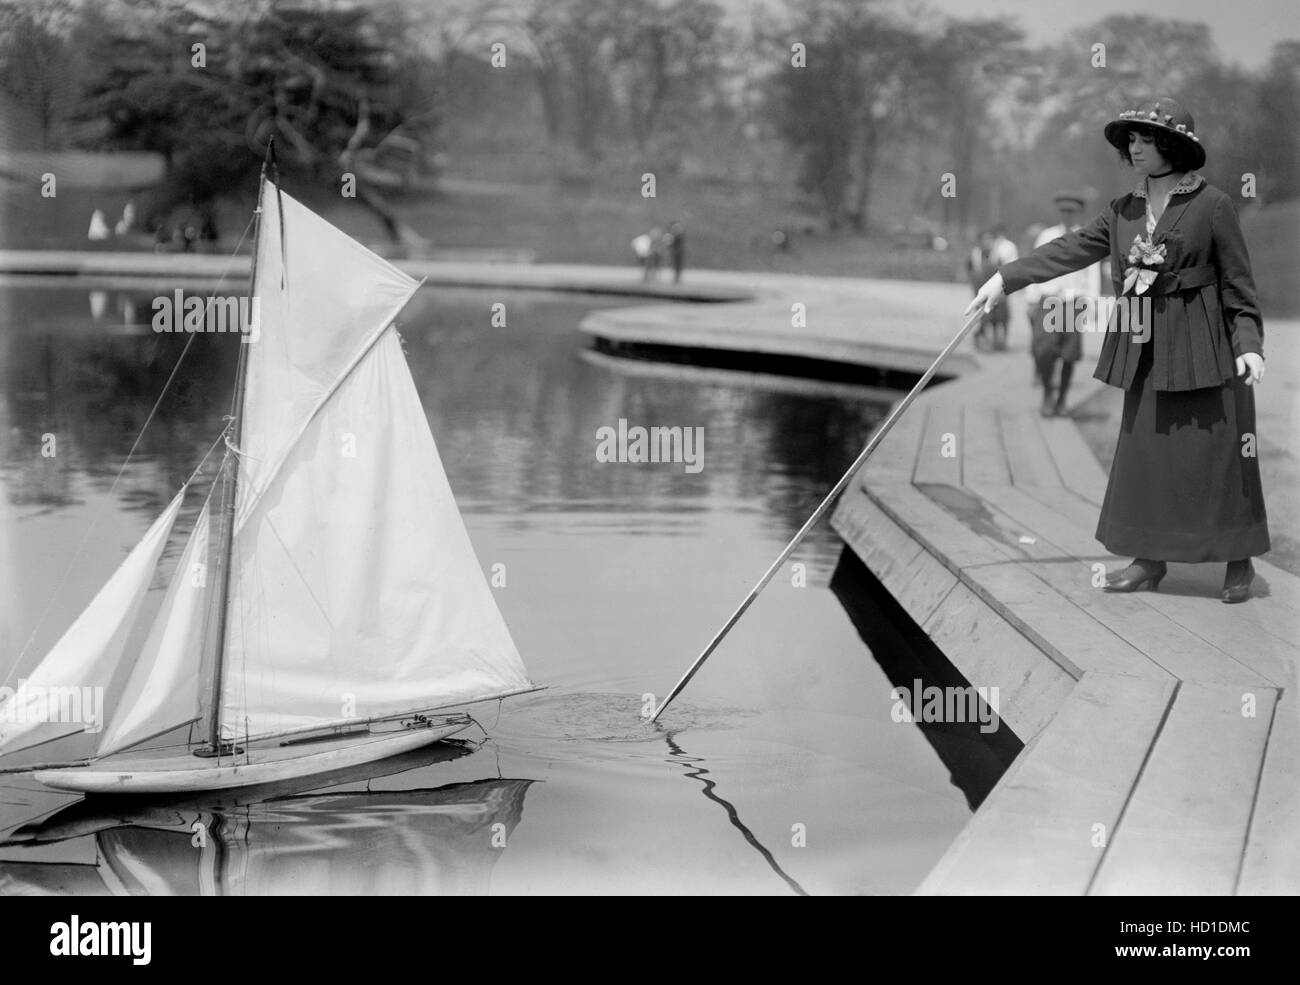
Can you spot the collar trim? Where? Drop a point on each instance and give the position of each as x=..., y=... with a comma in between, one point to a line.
x=1188, y=183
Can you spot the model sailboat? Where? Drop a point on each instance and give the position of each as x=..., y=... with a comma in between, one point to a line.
x=328, y=608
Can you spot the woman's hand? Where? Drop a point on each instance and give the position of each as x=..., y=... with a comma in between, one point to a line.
x=989, y=295
x=1251, y=366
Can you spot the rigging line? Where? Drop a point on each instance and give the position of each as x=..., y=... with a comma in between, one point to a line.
x=206, y=455
x=302, y=577
x=90, y=528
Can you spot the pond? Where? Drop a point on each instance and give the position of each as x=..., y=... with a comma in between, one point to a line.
x=779, y=770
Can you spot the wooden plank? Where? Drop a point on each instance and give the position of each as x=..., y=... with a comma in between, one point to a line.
x=1238, y=634
x=990, y=652
x=1256, y=636
x=1272, y=862
x=895, y=458
x=937, y=530
x=917, y=581
x=881, y=543
x=983, y=458
x=993, y=569
x=1028, y=456
x=938, y=458
x=1163, y=642
x=1261, y=635
x=1036, y=833
x=1183, y=831
x=1074, y=460
x=1081, y=512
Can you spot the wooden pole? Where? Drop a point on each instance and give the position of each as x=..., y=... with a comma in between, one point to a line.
x=821, y=510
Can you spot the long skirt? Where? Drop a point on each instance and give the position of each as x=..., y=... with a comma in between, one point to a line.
x=1184, y=484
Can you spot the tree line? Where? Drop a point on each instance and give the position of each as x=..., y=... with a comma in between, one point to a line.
x=846, y=89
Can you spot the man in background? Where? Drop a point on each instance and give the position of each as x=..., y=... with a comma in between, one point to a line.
x=1066, y=347
x=1004, y=251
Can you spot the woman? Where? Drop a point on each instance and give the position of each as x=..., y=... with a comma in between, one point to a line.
x=1186, y=348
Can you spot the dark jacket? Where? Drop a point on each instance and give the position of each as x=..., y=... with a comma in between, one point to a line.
x=1203, y=307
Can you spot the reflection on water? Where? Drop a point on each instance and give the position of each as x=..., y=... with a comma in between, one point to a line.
x=613, y=575
x=976, y=759
x=362, y=842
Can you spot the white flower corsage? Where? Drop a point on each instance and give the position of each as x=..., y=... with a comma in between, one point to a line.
x=1143, y=257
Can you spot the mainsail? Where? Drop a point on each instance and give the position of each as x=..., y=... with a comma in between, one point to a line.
x=87, y=655
x=355, y=592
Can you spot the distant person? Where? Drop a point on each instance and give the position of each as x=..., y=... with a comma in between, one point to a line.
x=127, y=222
x=1049, y=347
x=981, y=264
x=99, y=230
x=642, y=247
x=1004, y=251
x=656, y=257
x=677, y=249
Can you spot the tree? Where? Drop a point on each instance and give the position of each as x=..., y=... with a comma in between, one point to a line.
x=42, y=62
x=858, y=92
x=1277, y=109
x=332, y=84
x=662, y=57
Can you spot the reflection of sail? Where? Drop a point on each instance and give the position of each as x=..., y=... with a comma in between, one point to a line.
x=443, y=842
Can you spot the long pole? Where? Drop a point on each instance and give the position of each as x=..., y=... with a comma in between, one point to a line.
x=230, y=479
x=818, y=513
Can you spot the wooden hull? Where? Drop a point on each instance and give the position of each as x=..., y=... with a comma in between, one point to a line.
x=180, y=771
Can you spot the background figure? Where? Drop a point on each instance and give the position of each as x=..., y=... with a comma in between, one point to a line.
x=642, y=247
x=1049, y=347
x=127, y=223
x=656, y=258
x=981, y=264
x=98, y=226
x=676, y=238
x=1004, y=251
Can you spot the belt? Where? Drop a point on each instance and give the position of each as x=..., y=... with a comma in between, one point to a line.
x=1186, y=279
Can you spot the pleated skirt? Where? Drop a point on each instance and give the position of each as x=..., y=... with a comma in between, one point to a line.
x=1184, y=484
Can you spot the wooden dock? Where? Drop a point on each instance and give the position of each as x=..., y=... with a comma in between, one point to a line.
x=1162, y=734
x=834, y=328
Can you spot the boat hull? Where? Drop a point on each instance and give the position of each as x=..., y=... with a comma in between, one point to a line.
x=180, y=771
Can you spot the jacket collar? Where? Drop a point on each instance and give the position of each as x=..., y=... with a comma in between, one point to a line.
x=1188, y=183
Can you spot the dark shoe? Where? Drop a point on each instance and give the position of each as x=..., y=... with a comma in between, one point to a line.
x=1049, y=405
x=1236, y=581
x=1060, y=410
x=1136, y=575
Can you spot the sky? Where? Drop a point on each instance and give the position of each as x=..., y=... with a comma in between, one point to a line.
x=1243, y=30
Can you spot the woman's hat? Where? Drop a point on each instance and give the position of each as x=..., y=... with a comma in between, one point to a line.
x=1158, y=114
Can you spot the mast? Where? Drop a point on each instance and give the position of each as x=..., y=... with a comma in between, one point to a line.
x=230, y=480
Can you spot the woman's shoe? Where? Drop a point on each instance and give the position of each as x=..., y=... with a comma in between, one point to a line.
x=1236, y=581
x=1136, y=575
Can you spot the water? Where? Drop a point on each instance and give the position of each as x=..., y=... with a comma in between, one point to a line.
x=779, y=770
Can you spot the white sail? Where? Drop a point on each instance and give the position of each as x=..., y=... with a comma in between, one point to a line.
x=65, y=691
x=355, y=591
x=163, y=689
